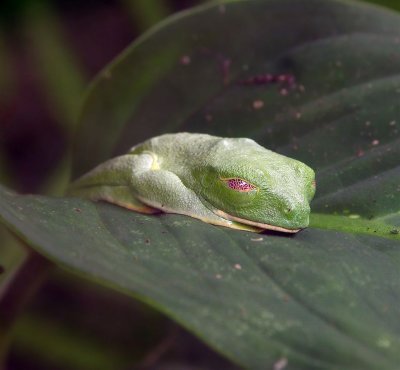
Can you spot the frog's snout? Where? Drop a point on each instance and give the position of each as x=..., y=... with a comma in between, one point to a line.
x=297, y=214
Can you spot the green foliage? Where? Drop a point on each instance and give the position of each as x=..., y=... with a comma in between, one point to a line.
x=325, y=298
x=146, y=13
x=12, y=256
x=60, y=73
x=393, y=4
x=59, y=344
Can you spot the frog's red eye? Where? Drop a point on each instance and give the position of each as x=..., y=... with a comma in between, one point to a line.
x=239, y=185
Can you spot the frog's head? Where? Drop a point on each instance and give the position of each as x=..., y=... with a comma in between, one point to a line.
x=249, y=184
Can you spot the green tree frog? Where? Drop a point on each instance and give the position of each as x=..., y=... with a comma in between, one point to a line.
x=232, y=182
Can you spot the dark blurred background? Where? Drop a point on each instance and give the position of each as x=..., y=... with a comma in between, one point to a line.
x=49, y=51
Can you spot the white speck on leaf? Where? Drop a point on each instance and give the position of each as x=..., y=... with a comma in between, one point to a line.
x=360, y=153
x=284, y=92
x=185, y=60
x=280, y=364
x=258, y=104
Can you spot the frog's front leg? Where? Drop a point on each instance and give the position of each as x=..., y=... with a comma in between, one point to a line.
x=165, y=191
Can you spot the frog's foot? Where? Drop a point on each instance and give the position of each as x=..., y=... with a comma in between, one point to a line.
x=257, y=225
x=110, y=182
x=234, y=225
x=120, y=195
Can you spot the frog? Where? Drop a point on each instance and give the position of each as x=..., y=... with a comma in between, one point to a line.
x=230, y=182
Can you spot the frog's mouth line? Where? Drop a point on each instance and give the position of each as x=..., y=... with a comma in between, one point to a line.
x=254, y=223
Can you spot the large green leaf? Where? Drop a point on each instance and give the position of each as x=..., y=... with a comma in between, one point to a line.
x=321, y=299
x=325, y=298
x=186, y=73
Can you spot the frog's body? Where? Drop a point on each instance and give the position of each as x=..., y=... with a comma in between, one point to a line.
x=233, y=182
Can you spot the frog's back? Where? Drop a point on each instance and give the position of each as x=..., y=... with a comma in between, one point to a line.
x=182, y=146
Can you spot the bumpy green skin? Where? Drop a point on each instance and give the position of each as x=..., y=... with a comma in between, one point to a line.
x=189, y=174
